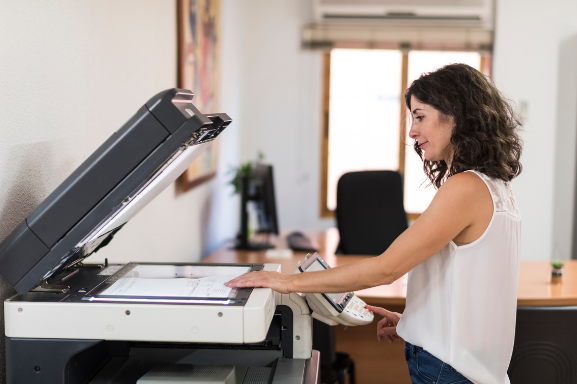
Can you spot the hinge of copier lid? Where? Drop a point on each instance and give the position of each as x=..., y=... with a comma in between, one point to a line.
x=46, y=287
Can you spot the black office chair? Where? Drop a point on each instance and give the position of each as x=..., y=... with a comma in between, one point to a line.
x=545, y=349
x=370, y=213
x=334, y=366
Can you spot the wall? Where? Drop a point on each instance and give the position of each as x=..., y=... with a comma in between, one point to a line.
x=281, y=105
x=71, y=73
x=224, y=215
x=533, y=65
x=565, y=213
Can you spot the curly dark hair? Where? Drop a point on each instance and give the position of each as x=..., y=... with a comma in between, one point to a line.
x=485, y=137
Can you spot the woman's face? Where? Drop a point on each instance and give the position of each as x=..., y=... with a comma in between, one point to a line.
x=431, y=131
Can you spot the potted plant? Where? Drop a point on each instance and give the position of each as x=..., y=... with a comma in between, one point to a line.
x=244, y=171
x=557, y=272
x=240, y=173
x=242, y=177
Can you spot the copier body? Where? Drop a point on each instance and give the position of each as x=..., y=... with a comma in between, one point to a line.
x=60, y=329
x=64, y=337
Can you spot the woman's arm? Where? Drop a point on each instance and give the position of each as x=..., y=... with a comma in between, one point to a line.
x=461, y=208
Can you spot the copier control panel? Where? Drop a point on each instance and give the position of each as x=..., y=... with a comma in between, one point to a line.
x=333, y=308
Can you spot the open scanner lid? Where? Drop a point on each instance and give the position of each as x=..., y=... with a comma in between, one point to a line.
x=125, y=173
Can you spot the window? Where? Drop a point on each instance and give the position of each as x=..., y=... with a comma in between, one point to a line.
x=364, y=122
x=363, y=113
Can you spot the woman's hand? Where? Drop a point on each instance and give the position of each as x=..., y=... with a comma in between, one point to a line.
x=264, y=279
x=387, y=327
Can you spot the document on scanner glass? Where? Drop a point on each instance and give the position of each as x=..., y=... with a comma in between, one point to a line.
x=204, y=287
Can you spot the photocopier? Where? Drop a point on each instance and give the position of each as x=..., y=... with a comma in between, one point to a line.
x=72, y=322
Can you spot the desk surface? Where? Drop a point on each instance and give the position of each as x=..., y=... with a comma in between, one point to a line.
x=535, y=288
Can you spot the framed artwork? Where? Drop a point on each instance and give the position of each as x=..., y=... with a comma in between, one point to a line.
x=198, y=45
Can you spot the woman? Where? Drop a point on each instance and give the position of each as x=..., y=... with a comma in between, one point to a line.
x=462, y=254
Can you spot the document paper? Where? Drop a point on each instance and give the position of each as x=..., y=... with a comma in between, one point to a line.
x=204, y=287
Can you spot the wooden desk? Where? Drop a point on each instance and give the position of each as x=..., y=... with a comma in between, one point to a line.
x=534, y=277
x=384, y=363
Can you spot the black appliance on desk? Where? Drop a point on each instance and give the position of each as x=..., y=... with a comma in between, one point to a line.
x=257, y=188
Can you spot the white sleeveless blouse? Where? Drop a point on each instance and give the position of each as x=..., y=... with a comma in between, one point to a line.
x=462, y=301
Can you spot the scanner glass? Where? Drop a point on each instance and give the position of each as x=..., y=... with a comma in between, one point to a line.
x=172, y=283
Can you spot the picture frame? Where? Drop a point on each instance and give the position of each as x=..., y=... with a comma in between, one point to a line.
x=198, y=23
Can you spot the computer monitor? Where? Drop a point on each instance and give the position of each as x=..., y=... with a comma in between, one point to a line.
x=259, y=189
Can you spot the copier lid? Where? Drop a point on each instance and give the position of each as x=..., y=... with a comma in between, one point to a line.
x=125, y=173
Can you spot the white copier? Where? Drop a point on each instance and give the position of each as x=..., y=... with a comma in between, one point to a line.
x=146, y=323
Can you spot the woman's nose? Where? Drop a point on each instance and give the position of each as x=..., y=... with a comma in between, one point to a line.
x=413, y=134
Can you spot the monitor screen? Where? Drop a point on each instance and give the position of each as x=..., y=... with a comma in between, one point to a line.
x=263, y=196
x=257, y=191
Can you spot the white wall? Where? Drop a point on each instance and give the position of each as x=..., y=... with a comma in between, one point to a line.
x=281, y=105
x=565, y=213
x=565, y=151
x=189, y=226
x=224, y=218
x=532, y=55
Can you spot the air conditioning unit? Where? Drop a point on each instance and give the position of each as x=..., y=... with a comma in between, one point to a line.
x=462, y=13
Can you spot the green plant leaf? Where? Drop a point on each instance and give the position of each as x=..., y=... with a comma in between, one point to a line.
x=245, y=170
x=557, y=264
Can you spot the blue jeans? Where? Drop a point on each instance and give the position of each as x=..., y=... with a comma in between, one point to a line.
x=425, y=368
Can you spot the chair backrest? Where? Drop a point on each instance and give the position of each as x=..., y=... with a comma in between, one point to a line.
x=545, y=349
x=370, y=213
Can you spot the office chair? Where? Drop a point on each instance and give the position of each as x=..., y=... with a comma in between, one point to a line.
x=370, y=213
x=334, y=366
x=545, y=349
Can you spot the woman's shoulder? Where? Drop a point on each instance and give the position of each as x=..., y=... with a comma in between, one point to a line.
x=466, y=183
x=480, y=186
x=467, y=190
x=464, y=191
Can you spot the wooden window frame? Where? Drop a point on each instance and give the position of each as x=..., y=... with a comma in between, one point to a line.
x=324, y=211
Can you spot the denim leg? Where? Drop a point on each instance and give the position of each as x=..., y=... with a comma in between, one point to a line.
x=421, y=369
x=450, y=376
x=425, y=368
